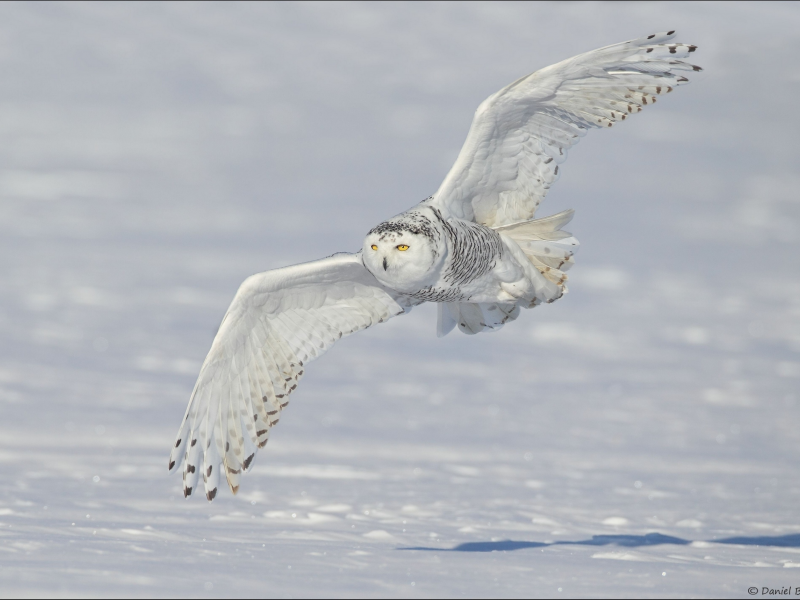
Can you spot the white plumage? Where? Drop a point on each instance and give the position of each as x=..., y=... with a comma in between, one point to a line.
x=474, y=247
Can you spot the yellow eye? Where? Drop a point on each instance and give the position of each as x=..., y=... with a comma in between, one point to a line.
x=374, y=247
x=402, y=247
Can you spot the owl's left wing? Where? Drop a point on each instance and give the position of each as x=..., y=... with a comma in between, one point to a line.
x=278, y=322
x=520, y=135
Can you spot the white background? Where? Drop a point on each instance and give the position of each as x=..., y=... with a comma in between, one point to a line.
x=640, y=437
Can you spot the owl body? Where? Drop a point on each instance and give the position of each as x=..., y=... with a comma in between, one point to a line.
x=431, y=258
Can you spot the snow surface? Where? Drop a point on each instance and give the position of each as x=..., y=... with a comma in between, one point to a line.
x=640, y=437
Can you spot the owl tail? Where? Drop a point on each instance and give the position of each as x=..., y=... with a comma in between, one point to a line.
x=548, y=248
x=473, y=318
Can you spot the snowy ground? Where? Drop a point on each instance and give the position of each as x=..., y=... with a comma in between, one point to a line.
x=640, y=437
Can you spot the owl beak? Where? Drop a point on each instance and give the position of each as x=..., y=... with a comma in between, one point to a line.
x=385, y=264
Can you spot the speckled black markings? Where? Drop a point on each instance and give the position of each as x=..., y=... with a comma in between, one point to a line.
x=413, y=222
x=434, y=294
x=475, y=250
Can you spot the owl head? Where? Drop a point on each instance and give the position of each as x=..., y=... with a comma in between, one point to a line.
x=405, y=253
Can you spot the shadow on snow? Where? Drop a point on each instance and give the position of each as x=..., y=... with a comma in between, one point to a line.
x=791, y=540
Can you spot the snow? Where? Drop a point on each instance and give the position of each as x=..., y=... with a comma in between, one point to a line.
x=640, y=437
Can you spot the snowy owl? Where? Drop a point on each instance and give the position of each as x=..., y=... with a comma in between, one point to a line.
x=474, y=248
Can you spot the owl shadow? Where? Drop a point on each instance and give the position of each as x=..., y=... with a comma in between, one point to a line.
x=791, y=540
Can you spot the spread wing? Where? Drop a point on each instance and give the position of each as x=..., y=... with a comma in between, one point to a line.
x=521, y=134
x=278, y=322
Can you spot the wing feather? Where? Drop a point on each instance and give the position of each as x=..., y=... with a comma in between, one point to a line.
x=277, y=323
x=256, y=379
x=520, y=135
x=211, y=462
x=268, y=397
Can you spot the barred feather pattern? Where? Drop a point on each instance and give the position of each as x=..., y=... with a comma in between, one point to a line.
x=473, y=252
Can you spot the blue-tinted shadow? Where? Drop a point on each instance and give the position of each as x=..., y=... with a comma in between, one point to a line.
x=791, y=540
x=489, y=546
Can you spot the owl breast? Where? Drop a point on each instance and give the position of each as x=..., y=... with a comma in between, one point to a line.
x=473, y=251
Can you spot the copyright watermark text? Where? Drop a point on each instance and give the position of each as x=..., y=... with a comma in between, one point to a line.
x=776, y=591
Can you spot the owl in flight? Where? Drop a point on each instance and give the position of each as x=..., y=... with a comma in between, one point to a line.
x=474, y=248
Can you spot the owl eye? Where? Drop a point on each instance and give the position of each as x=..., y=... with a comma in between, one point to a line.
x=374, y=247
x=402, y=247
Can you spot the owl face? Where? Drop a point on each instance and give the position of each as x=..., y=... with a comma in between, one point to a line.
x=401, y=259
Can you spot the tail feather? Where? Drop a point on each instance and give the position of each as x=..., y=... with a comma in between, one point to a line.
x=473, y=318
x=546, y=245
x=544, y=227
x=445, y=320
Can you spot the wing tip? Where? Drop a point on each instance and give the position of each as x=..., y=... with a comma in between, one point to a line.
x=656, y=38
x=249, y=460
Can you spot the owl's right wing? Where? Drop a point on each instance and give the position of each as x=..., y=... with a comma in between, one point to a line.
x=520, y=135
x=278, y=322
